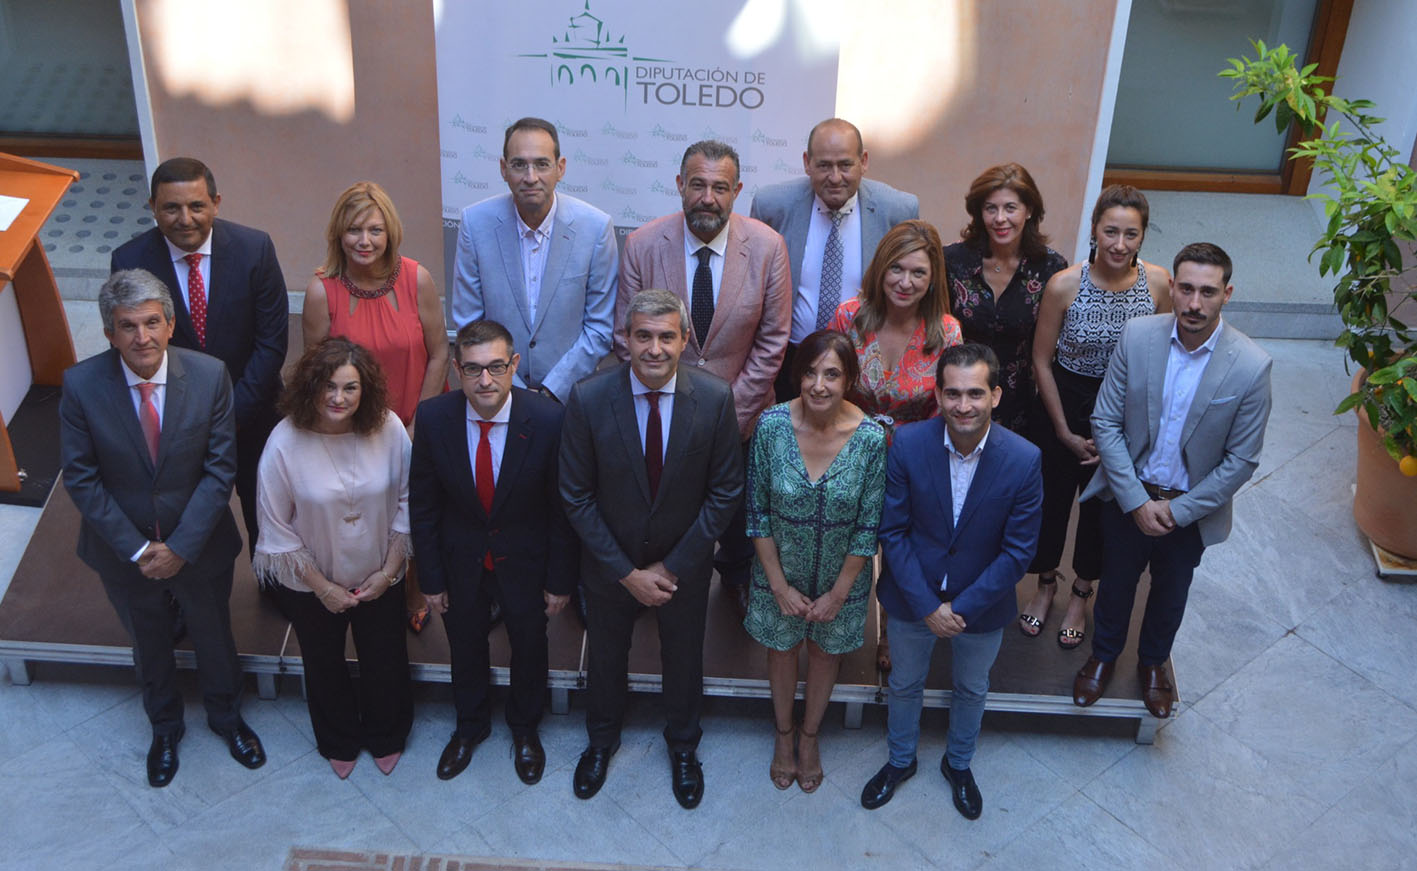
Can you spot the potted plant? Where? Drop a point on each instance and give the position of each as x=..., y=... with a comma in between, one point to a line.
x=1370, y=205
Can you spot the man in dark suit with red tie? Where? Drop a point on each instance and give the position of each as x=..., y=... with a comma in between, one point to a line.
x=146, y=441
x=651, y=473
x=488, y=526
x=229, y=301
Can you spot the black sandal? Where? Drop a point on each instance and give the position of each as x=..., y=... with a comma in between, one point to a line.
x=1071, y=639
x=1027, y=622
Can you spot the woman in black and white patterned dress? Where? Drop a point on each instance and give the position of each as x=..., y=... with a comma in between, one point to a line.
x=1081, y=316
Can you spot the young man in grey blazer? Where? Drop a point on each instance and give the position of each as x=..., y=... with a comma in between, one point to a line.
x=832, y=220
x=1179, y=423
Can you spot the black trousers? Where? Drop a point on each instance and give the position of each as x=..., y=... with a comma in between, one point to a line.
x=377, y=713
x=467, y=622
x=1064, y=478
x=142, y=607
x=250, y=442
x=734, y=558
x=612, y=615
x=1172, y=560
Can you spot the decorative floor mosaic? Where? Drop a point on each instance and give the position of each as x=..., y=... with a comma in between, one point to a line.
x=106, y=207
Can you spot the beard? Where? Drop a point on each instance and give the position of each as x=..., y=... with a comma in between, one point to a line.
x=705, y=222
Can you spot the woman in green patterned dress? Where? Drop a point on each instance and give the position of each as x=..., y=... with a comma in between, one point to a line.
x=816, y=481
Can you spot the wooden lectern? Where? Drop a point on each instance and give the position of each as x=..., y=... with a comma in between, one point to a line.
x=24, y=269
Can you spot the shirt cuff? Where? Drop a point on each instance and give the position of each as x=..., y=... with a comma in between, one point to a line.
x=139, y=555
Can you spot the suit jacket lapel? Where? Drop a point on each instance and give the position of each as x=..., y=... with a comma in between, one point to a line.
x=681, y=427
x=162, y=266
x=1221, y=360
x=867, y=207
x=120, y=398
x=982, y=483
x=670, y=264
x=454, y=440
x=939, y=472
x=172, y=407
x=511, y=248
x=795, y=229
x=225, y=275
x=622, y=405
x=563, y=239
x=519, y=435
x=1158, y=350
x=735, y=276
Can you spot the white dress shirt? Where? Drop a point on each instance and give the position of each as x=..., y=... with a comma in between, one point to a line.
x=1166, y=467
x=159, y=401
x=718, y=245
x=666, y=408
x=179, y=266
x=496, y=437
x=962, y=469
x=536, y=245
x=804, y=302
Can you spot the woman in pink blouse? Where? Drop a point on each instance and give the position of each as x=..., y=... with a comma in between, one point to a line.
x=332, y=497
x=899, y=324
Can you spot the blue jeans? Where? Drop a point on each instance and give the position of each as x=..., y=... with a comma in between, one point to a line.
x=972, y=655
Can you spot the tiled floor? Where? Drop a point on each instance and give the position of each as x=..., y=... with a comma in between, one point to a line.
x=1294, y=747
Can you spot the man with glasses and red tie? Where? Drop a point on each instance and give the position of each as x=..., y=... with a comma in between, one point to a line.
x=229, y=301
x=147, y=443
x=485, y=511
x=651, y=474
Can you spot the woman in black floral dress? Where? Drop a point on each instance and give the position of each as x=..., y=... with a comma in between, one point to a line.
x=996, y=277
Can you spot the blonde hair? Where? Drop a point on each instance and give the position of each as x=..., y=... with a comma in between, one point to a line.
x=904, y=238
x=357, y=199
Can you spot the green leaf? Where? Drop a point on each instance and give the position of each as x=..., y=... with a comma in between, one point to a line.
x=1348, y=403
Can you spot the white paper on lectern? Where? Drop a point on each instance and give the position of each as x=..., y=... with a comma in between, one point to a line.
x=10, y=208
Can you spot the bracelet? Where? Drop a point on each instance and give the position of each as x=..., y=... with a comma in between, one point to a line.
x=388, y=577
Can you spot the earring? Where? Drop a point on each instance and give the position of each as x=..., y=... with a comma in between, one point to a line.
x=1092, y=251
x=1136, y=258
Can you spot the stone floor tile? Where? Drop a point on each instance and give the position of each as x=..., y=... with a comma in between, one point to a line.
x=1204, y=795
x=1368, y=627
x=1079, y=834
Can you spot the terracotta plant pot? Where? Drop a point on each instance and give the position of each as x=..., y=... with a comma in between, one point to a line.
x=1385, y=501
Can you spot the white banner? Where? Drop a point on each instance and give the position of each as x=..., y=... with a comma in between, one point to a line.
x=629, y=85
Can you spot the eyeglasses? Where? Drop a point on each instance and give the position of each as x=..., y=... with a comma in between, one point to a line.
x=475, y=370
x=519, y=166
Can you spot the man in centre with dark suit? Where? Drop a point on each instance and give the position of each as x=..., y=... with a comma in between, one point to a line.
x=229, y=300
x=1179, y=424
x=732, y=274
x=485, y=510
x=541, y=263
x=959, y=528
x=832, y=220
x=651, y=472
x=147, y=442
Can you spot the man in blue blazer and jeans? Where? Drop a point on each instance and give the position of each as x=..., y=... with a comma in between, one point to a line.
x=958, y=530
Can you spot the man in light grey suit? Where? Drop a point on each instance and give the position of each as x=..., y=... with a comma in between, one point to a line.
x=832, y=220
x=651, y=472
x=542, y=263
x=148, y=442
x=1179, y=423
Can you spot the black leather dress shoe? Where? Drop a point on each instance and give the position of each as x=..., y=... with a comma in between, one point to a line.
x=458, y=753
x=245, y=747
x=963, y=790
x=881, y=787
x=591, y=770
x=528, y=758
x=162, y=758
x=1091, y=681
x=687, y=777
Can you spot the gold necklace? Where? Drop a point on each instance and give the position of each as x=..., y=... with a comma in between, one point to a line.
x=353, y=514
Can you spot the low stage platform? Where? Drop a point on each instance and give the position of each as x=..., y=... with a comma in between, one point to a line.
x=55, y=611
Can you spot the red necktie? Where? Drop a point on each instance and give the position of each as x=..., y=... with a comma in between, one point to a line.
x=147, y=417
x=197, y=297
x=654, y=444
x=485, y=485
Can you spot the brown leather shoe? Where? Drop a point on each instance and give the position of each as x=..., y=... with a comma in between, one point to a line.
x=1091, y=681
x=1156, y=690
